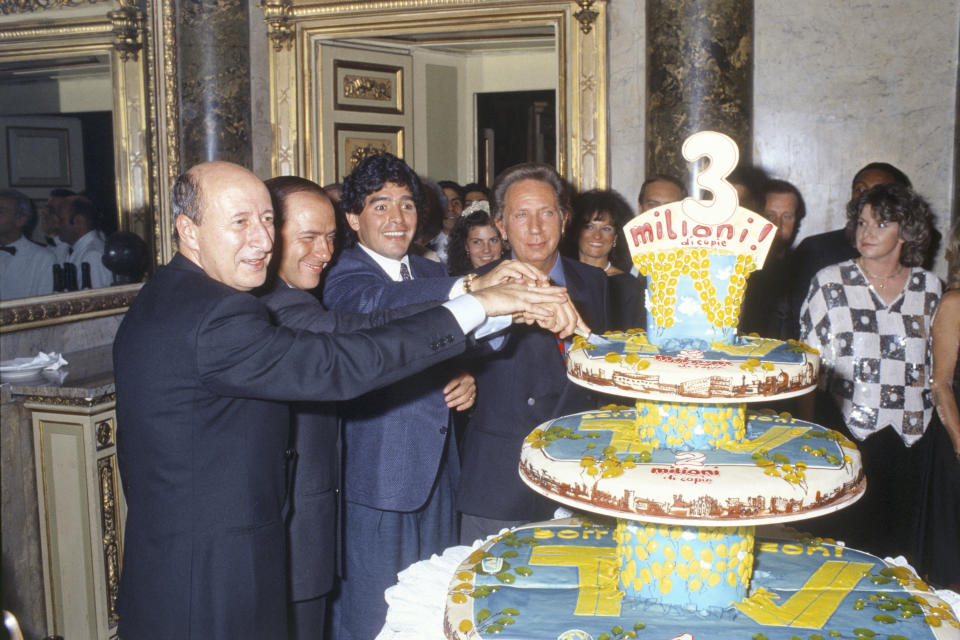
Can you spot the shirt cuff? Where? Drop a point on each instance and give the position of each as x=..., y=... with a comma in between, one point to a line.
x=457, y=289
x=467, y=311
x=492, y=325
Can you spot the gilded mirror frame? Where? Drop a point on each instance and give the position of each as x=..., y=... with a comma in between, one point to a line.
x=294, y=26
x=117, y=30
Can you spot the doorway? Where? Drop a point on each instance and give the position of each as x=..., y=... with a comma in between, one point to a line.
x=515, y=127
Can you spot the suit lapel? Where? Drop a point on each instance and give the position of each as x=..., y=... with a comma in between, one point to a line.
x=364, y=257
x=584, y=297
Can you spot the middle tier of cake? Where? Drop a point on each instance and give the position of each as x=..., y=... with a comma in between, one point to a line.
x=784, y=469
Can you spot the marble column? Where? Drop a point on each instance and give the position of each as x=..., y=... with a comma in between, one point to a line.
x=213, y=56
x=699, y=76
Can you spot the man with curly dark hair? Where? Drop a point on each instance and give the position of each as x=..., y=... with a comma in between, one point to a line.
x=401, y=460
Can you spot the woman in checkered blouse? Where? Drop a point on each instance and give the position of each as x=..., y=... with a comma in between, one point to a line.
x=871, y=319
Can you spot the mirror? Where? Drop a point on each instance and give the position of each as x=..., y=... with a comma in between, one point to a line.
x=349, y=77
x=88, y=68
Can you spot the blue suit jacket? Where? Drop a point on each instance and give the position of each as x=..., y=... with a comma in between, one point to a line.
x=519, y=387
x=394, y=438
x=203, y=375
x=312, y=521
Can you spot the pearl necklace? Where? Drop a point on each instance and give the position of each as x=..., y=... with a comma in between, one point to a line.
x=882, y=280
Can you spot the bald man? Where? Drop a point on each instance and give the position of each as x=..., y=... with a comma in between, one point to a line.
x=203, y=376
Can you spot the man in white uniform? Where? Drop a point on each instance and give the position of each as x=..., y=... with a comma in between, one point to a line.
x=26, y=268
x=81, y=218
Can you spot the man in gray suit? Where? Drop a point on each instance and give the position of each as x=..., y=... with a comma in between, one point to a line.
x=203, y=376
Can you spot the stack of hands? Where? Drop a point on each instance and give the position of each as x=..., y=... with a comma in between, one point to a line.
x=525, y=292
x=519, y=289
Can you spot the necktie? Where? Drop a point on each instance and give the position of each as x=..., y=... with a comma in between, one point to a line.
x=11, y=250
x=404, y=272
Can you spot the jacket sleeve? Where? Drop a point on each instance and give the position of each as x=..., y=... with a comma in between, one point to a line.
x=301, y=310
x=240, y=352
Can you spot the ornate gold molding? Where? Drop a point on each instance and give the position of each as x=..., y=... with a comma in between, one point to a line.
x=127, y=24
x=586, y=16
x=171, y=101
x=277, y=14
x=121, y=34
x=104, y=434
x=58, y=30
x=38, y=312
x=314, y=9
x=8, y=7
x=109, y=519
x=51, y=403
x=579, y=25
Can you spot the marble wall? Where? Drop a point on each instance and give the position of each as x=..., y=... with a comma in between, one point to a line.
x=836, y=85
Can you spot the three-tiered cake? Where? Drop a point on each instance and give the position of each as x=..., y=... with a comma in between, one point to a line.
x=689, y=472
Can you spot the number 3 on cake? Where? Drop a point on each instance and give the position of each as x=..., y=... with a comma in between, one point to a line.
x=722, y=155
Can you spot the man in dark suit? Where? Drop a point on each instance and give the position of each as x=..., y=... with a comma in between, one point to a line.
x=306, y=235
x=203, y=376
x=398, y=491
x=524, y=383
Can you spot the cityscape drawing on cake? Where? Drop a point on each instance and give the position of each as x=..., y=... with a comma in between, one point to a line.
x=668, y=493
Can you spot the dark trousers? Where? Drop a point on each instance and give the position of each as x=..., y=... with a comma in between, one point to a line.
x=306, y=618
x=378, y=545
x=886, y=520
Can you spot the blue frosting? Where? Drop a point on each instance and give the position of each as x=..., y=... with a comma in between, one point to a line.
x=534, y=591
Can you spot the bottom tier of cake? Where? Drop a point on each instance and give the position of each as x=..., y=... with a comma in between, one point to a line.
x=559, y=580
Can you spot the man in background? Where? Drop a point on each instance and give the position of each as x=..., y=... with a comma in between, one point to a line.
x=52, y=222
x=766, y=301
x=82, y=233
x=658, y=190
x=26, y=268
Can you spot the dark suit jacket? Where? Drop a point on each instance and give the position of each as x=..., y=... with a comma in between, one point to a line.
x=314, y=436
x=518, y=388
x=812, y=254
x=394, y=438
x=203, y=376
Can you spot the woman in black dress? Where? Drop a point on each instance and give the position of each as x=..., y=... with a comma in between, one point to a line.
x=596, y=238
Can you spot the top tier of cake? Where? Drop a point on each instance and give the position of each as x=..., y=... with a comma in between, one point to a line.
x=696, y=273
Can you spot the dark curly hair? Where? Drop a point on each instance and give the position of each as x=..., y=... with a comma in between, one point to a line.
x=587, y=207
x=458, y=259
x=369, y=177
x=892, y=202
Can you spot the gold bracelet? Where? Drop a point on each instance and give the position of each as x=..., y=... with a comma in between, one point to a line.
x=468, y=282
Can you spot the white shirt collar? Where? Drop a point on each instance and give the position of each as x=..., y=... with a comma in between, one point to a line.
x=89, y=239
x=391, y=266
